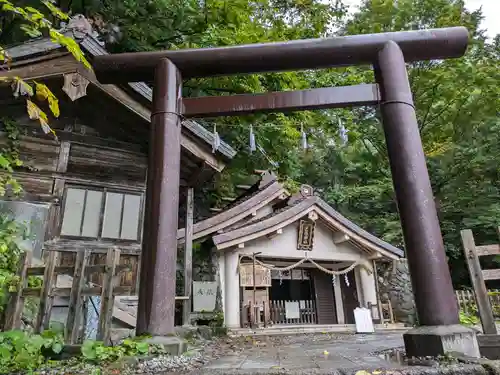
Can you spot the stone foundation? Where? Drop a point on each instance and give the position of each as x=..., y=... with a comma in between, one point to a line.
x=441, y=340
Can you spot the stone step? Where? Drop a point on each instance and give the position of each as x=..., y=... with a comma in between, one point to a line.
x=316, y=328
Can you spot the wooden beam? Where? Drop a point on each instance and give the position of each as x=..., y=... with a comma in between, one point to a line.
x=375, y=256
x=46, y=69
x=476, y=276
x=243, y=187
x=188, y=257
x=339, y=238
x=127, y=101
x=282, y=101
x=491, y=274
x=488, y=250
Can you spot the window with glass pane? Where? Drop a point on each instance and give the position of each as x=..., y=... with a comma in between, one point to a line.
x=101, y=214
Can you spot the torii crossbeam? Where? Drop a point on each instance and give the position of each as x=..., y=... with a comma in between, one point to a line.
x=387, y=52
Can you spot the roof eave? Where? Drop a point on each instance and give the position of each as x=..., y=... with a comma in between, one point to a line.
x=226, y=240
x=91, y=45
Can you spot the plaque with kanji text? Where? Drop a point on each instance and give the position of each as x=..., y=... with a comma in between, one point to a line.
x=306, y=235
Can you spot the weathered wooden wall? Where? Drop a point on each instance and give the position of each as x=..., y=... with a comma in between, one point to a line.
x=79, y=157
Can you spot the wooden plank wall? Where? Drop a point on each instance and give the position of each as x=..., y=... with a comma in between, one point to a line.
x=78, y=158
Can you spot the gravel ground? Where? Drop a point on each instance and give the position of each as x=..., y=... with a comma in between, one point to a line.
x=203, y=352
x=200, y=353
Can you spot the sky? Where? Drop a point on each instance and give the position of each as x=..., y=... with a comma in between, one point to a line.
x=491, y=10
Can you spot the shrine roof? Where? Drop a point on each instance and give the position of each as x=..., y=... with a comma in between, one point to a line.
x=298, y=207
x=92, y=47
x=263, y=192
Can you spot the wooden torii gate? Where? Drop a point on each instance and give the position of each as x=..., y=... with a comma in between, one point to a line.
x=387, y=52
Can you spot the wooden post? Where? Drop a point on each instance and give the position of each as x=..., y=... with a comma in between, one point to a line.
x=46, y=298
x=107, y=297
x=188, y=257
x=377, y=291
x=255, y=321
x=476, y=275
x=76, y=298
x=16, y=302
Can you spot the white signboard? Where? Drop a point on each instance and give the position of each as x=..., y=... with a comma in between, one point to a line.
x=363, y=319
x=204, y=295
x=292, y=310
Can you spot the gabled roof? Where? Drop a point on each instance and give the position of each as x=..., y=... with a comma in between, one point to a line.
x=92, y=47
x=265, y=191
x=298, y=209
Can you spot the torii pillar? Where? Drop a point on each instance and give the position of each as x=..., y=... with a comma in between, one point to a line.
x=437, y=310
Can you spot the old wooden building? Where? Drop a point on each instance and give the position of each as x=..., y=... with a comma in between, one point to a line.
x=85, y=188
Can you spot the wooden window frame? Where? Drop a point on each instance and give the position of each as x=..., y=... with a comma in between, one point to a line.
x=104, y=190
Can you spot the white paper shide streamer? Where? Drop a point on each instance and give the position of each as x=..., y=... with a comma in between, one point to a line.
x=253, y=146
x=303, y=137
x=343, y=133
x=216, y=140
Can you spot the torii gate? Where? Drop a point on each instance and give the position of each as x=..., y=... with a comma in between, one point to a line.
x=387, y=52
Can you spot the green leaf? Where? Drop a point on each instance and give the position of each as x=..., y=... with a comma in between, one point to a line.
x=142, y=347
x=88, y=350
x=57, y=347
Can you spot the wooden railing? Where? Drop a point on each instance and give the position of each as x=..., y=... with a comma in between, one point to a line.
x=467, y=302
x=307, y=312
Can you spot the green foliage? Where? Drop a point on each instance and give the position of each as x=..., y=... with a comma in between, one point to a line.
x=10, y=234
x=20, y=351
x=26, y=352
x=9, y=157
x=96, y=351
x=468, y=319
x=32, y=23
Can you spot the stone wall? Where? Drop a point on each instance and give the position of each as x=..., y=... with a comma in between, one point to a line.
x=395, y=285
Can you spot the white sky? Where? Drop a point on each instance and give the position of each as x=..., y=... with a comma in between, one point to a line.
x=491, y=12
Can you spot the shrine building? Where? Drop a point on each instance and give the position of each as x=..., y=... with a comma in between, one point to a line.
x=312, y=265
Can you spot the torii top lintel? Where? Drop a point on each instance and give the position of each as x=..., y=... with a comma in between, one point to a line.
x=284, y=56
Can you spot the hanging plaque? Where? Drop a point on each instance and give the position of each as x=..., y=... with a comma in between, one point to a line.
x=262, y=275
x=305, y=235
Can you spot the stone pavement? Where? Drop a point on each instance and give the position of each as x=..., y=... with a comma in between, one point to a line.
x=308, y=351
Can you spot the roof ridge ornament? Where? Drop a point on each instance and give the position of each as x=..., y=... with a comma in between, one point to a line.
x=305, y=191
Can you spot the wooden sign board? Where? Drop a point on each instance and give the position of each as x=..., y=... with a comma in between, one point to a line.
x=262, y=275
x=305, y=238
x=261, y=295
